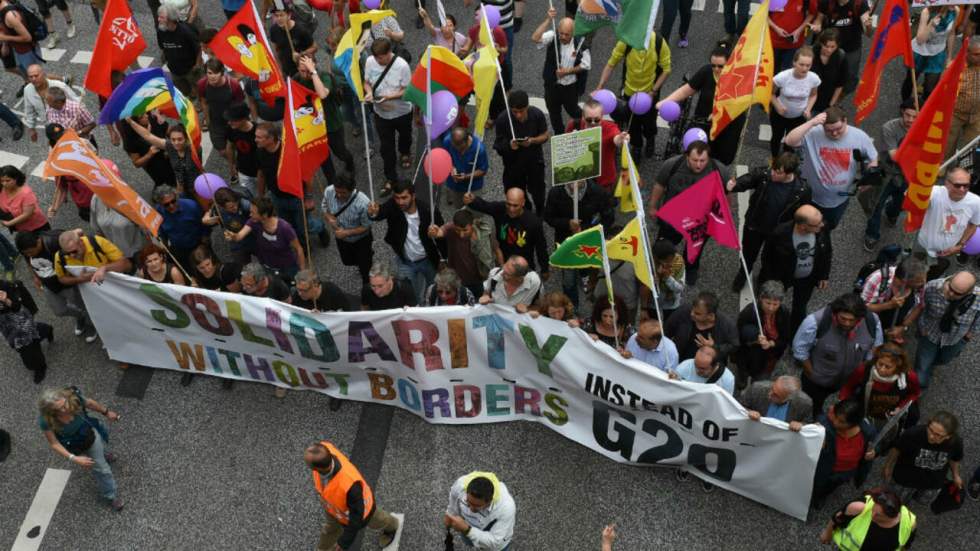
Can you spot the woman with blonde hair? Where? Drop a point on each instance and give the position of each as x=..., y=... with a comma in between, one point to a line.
x=78, y=437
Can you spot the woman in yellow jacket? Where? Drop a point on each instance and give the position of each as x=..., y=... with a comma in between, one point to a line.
x=878, y=523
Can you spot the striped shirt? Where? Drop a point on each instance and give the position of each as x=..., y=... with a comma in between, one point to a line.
x=354, y=216
x=935, y=307
x=506, y=11
x=968, y=98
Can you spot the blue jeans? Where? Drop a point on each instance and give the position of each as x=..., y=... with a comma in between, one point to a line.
x=101, y=470
x=419, y=273
x=833, y=215
x=289, y=208
x=929, y=354
x=733, y=26
x=889, y=202
x=9, y=117
x=671, y=7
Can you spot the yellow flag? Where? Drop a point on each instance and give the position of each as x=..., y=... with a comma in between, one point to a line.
x=624, y=188
x=630, y=246
x=349, y=48
x=747, y=76
x=483, y=64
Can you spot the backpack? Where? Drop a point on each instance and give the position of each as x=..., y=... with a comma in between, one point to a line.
x=823, y=324
x=887, y=259
x=658, y=45
x=303, y=15
x=96, y=249
x=31, y=20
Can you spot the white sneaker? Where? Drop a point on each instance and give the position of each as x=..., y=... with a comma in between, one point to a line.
x=92, y=336
x=52, y=40
x=71, y=31
x=280, y=392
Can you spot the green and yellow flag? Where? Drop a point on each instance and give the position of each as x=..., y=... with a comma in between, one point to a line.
x=579, y=251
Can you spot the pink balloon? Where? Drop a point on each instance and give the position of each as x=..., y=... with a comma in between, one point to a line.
x=372, y=4
x=112, y=166
x=441, y=164
x=445, y=109
x=493, y=15
x=670, y=111
x=607, y=99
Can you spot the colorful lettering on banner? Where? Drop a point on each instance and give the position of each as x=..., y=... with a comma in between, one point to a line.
x=463, y=365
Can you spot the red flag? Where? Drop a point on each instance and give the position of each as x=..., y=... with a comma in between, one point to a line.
x=117, y=46
x=892, y=38
x=923, y=148
x=699, y=212
x=290, y=176
x=243, y=46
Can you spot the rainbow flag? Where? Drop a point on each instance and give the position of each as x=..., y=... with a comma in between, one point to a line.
x=448, y=73
x=188, y=117
x=141, y=92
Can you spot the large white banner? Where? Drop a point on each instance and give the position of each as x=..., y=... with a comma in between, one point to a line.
x=930, y=3
x=461, y=365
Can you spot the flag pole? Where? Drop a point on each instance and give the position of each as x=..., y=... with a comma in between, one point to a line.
x=554, y=31
x=574, y=198
x=176, y=262
x=469, y=187
x=644, y=236
x=214, y=202
x=609, y=285
x=367, y=150
x=915, y=84
x=306, y=227
x=748, y=280
x=500, y=74
x=427, y=119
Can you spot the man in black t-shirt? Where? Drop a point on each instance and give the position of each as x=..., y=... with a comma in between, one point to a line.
x=384, y=292
x=289, y=45
x=241, y=148
x=851, y=18
x=522, y=152
x=213, y=274
x=268, y=150
x=152, y=160
x=519, y=231
x=181, y=50
x=319, y=296
x=924, y=454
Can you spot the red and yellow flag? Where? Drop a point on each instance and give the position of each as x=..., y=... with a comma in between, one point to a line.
x=243, y=46
x=747, y=76
x=73, y=156
x=892, y=38
x=304, y=138
x=922, y=151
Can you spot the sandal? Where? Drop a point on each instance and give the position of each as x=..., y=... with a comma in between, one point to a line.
x=406, y=161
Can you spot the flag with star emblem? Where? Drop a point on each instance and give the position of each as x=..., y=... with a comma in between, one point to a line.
x=747, y=76
x=582, y=250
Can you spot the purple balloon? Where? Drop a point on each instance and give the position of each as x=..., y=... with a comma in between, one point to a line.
x=493, y=15
x=972, y=246
x=694, y=135
x=670, y=111
x=607, y=99
x=445, y=109
x=777, y=5
x=372, y=4
x=206, y=184
x=640, y=103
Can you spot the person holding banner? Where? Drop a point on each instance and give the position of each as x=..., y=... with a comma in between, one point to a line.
x=384, y=291
x=650, y=346
x=706, y=367
x=781, y=399
x=211, y=273
x=513, y=284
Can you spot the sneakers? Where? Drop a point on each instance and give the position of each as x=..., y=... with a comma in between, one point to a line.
x=973, y=490
x=385, y=539
x=335, y=404
x=683, y=43
x=52, y=40
x=71, y=31
x=280, y=392
x=892, y=222
x=92, y=336
x=870, y=244
x=116, y=504
x=682, y=476
x=962, y=259
x=18, y=132
x=79, y=327
x=186, y=379
x=39, y=375
x=707, y=487
x=110, y=457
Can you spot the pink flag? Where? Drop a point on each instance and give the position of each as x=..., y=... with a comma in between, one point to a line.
x=701, y=211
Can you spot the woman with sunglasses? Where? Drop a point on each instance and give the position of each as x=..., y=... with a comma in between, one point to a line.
x=78, y=437
x=878, y=523
x=925, y=457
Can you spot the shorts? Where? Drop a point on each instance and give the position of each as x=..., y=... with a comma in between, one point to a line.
x=187, y=82
x=218, y=136
x=26, y=59
x=44, y=6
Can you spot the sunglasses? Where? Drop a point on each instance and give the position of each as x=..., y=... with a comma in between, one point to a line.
x=718, y=66
x=960, y=186
x=596, y=120
x=168, y=203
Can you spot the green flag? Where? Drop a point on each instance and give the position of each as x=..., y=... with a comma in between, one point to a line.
x=582, y=250
x=633, y=19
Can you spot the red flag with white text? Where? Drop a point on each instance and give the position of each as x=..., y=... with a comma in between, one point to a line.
x=699, y=212
x=117, y=45
x=892, y=38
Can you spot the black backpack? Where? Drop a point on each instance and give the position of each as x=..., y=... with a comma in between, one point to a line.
x=31, y=20
x=658, y=44
x=96, y=249
x=887, y=259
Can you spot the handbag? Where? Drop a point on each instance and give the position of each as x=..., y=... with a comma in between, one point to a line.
x=94, y=425
x=950, y=498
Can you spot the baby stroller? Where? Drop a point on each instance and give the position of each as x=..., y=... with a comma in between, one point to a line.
x=676, y=130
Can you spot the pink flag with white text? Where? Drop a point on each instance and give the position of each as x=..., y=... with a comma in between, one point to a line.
x=699, y=212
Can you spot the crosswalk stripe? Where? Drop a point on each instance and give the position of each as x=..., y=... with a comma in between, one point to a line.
x=42, y=510
x=38, y=171
x=765, y=132
x=698, y=5
x=7, y=158
x=82, y=57
x=144, y=61
x=54, y=54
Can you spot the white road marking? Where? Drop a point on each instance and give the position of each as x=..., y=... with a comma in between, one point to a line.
x=42, y=509
x=54, y=54
x=765, y=132
x=82, y=57
x=38, y=171
x=7, y=158
x=206, y=148
x=662, y=123
x=744, y=297
x=393, y=546
x=144, y=61
x=721, y=6
x=698, y=5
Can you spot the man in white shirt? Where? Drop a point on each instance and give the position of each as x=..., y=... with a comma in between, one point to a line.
x=949, y=222
x=482, y=510
x=513, y=284
x=385, y=78
x=35, y=94
x=562, y=84
x=650, y=346
x=706, y=368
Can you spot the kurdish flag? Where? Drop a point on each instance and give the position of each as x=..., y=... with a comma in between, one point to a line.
x=583, y=250
x=448, y=73
x=349, y=48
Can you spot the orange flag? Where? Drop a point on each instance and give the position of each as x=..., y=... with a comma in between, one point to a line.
x=73, y=156
x=923, y=149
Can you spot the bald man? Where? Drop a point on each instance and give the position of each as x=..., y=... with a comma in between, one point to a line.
x=798, y=254
x=949, y=222
x=564, y=80
x=518, y=230
x=948, y=318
